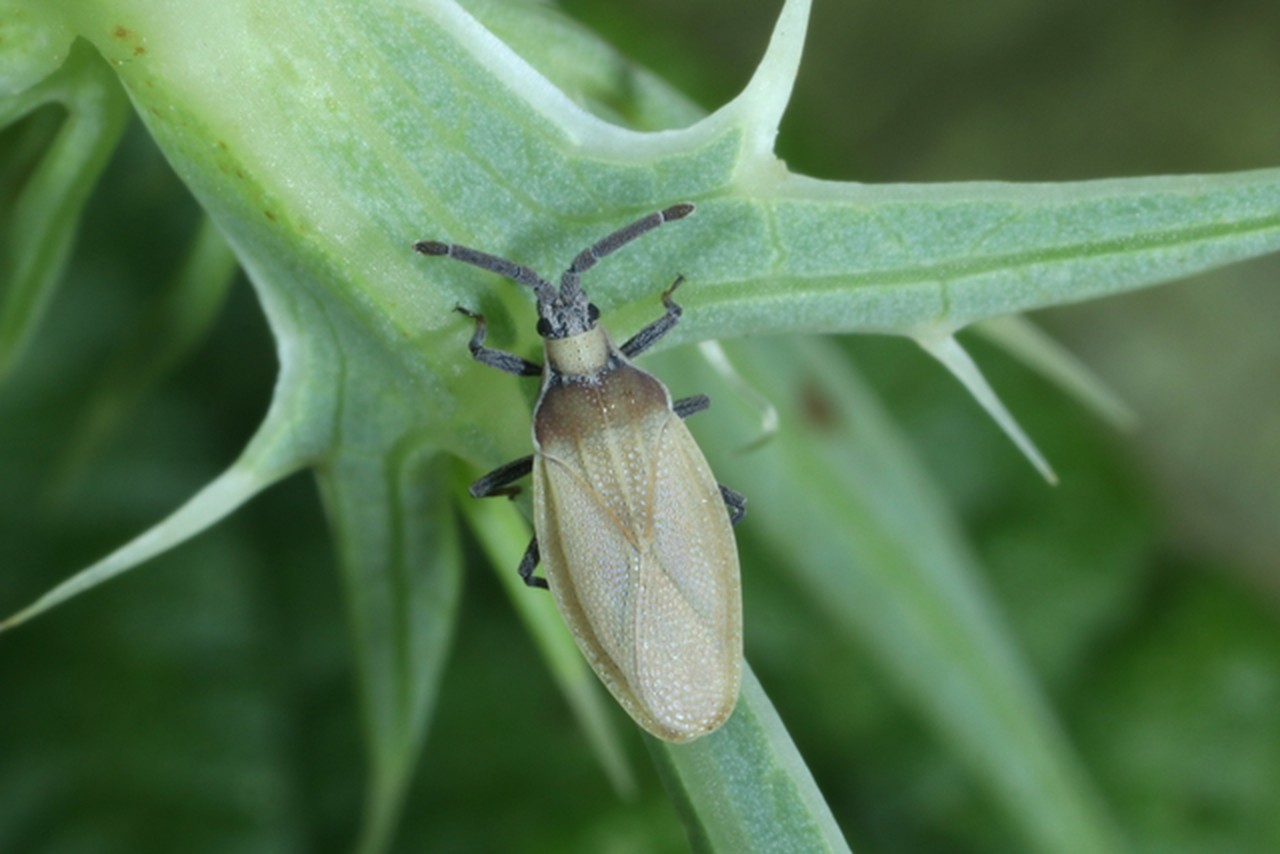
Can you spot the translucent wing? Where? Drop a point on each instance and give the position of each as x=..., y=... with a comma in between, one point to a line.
x=687, y=641
x=639, y=553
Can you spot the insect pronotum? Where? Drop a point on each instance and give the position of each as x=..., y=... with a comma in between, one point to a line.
x=631, y=526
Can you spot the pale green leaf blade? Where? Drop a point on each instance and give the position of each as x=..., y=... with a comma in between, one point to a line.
x=504, y=536
x=270, y=456
x=841, y=506
x=947, y=350
x=47, y=211
x=1027, y=342
x=396, y=539
x=432, y=152
x=745, y=787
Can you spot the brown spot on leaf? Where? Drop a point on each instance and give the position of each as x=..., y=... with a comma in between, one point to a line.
x=817, y=409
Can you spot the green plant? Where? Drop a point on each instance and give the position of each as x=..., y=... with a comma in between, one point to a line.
x=322, y=140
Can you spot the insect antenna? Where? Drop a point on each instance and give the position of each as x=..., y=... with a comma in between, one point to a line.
x=508, y=269
x=587, y=258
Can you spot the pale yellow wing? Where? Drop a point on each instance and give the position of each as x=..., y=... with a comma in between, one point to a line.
x=651, y=591
x=687, y=626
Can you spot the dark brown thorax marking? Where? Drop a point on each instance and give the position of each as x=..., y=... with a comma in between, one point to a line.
x=604, y=429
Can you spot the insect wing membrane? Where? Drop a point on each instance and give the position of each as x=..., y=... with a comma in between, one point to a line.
x=689, y=643
x=639, y=552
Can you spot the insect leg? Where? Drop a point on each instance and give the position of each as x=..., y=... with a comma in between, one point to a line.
x=528, y=563
x=735, y=501
x=647, y=337
x=686, y=406
x=498, y=481
x=507, y=362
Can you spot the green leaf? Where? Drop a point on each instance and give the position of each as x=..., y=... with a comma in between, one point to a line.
x=844, y=509
x=1024, y=340
x=504, y=536
x=745, y=786
x=47, y=209
x=397, y=547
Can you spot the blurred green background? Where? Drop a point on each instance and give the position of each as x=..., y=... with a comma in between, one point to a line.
x=205, y=703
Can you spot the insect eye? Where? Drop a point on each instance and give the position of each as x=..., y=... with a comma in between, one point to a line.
x=593, y=313
x=544, y=327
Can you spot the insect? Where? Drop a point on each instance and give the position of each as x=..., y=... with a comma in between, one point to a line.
x=631, y=526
